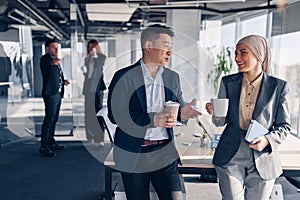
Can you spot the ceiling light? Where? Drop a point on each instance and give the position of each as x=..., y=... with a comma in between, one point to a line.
x=182, y=3
x=32, y=27
x=48, y=35
x=24, y=19
x=63, y=21
x=202, y=1
x=20, y=17
x=52, y=6
x=10, y=15
x=109, y=12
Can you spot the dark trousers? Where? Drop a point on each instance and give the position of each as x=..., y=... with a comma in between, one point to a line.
x=52, y=107
x=3, y=105
x=94, y=126
x=165, y=181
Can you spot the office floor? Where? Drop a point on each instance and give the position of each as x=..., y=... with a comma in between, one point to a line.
x=77, y=172
x=195, y=189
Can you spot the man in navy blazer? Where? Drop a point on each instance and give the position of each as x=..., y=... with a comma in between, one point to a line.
x=144, y=149
x=52, y=92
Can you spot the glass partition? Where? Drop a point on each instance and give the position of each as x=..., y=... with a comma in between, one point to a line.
x=287, y=67
x=16, y=89
x=21, y=105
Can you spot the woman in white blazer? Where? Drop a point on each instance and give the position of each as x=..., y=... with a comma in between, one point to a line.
x=248, y=170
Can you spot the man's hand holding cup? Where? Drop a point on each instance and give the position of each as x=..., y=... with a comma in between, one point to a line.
x=168, y=118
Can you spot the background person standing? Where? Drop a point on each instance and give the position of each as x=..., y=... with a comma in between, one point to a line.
x=52, y=92
x=93, y=88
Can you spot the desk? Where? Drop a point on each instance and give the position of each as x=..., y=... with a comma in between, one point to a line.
x=289, y=152
x=197, y=159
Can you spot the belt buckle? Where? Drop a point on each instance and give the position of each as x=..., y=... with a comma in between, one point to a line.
x=148, y=143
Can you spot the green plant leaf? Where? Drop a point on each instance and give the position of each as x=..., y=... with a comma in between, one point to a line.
x=223, y=67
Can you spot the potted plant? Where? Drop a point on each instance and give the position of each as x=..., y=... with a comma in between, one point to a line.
x=223, y=66
x=205, y=138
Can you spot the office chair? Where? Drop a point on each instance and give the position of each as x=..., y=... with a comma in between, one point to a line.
x=110, y=127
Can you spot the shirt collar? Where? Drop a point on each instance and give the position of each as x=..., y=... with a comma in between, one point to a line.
x=256, y=83
x=146, y=71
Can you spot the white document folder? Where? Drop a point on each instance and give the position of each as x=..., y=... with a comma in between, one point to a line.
x=255, y=130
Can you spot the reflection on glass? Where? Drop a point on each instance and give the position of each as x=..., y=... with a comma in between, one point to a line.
x=5, y=72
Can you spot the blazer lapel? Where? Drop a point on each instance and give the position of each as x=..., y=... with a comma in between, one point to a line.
x=139, y=84
x=264, y=95
x=234, y=93
x=167, y=86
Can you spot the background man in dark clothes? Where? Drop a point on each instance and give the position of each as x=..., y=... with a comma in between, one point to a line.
x=52, y=92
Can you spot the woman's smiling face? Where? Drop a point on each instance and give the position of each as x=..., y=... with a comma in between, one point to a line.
x=245, y=59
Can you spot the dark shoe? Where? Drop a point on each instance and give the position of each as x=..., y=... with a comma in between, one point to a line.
x=57, y=147
x=47, y=152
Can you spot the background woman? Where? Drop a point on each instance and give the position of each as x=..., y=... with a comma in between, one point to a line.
x=93, y=90
x=248, y=170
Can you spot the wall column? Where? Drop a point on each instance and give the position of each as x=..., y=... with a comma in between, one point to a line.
x=185, y=56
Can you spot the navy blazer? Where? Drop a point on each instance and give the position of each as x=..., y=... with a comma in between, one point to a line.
x=127, y=108
x=271, y=110
x=50, y=74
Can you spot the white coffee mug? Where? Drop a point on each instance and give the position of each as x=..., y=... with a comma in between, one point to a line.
x=220, y=107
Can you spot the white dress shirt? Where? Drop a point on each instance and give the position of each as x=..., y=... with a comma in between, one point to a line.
x=155, y=95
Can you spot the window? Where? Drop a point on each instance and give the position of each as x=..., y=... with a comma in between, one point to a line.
x=285, y=56
x=287, y=67
x=256, y=25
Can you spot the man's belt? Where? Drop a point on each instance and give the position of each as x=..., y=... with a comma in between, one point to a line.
x=154, y=142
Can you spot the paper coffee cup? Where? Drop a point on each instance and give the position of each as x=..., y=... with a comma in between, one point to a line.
x=220, y=107
x=84, y=69
x=172, y=107
x=95, y=53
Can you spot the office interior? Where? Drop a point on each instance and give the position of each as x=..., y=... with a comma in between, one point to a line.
x=204, y=32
